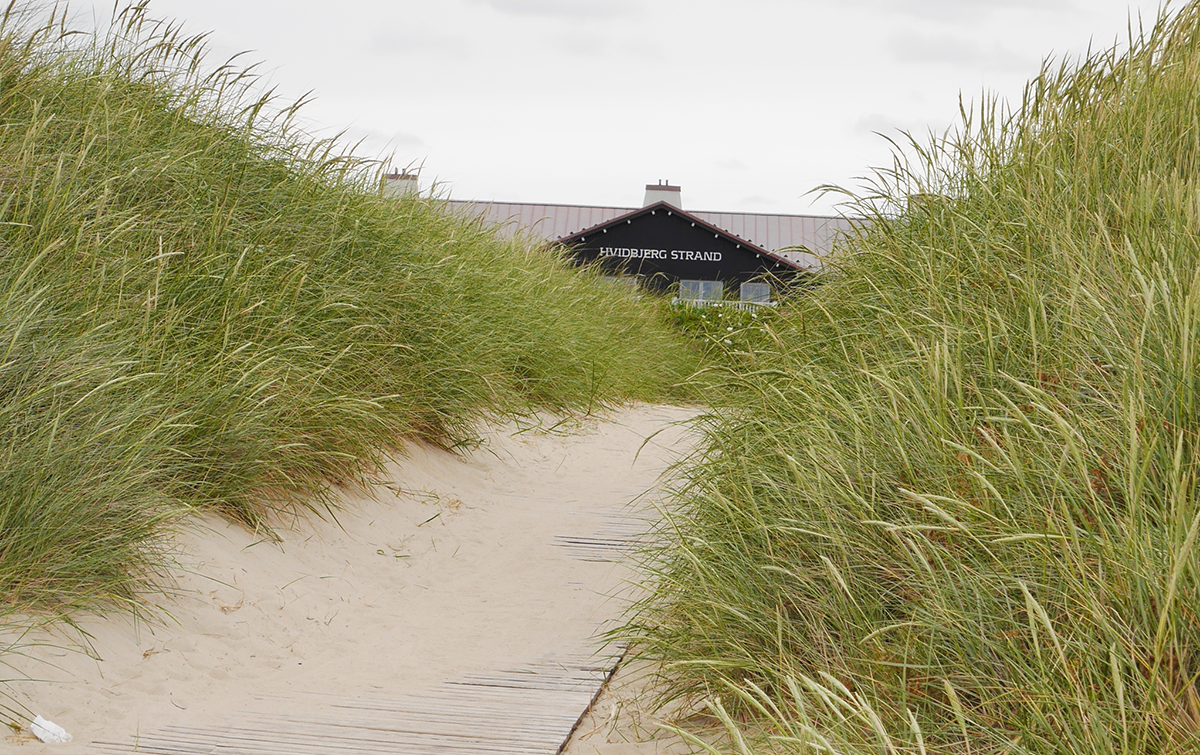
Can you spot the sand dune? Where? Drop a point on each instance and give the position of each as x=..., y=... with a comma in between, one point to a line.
x=451, y=565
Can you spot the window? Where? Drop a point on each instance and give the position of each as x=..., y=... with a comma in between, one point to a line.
x=759, y=293
x=703, y=290
x=624, y=281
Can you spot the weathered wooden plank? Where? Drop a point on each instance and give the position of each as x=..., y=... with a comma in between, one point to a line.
x=522, y=711
x=529, y=710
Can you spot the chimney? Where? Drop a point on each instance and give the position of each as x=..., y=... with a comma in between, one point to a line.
x=401, y=183
x=663, y=191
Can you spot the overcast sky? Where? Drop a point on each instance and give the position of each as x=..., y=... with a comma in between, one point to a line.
x=747, y=105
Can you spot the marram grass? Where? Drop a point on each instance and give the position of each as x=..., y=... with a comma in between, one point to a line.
x=952, y=505
x=203, y=309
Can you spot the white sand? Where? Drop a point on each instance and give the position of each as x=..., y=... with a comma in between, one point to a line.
x=621, y=722
x=450, y=568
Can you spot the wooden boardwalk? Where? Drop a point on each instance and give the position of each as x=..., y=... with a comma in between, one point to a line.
x=530, y=710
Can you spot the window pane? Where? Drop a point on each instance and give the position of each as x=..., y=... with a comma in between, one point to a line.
x=760, y=293
x=624, y=281
x=706, y=290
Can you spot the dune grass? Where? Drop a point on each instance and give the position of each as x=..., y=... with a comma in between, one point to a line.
x=203, y=309
x=952, y=504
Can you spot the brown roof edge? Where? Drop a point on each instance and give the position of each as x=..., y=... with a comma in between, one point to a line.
x=486, y=202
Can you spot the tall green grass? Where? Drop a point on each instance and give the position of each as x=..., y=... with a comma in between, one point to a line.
x=953, y=505
x=203, y=309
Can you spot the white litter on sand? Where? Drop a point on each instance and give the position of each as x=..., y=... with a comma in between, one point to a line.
x=48, y=731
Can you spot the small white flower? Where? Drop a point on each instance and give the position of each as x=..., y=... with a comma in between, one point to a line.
x=728, y=342
x=729, y=329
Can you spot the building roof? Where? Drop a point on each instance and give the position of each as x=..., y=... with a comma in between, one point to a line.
x=695, y=220
x=778, y=234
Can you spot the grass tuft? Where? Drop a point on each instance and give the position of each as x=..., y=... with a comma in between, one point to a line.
x=951, y=504
x=203, y=309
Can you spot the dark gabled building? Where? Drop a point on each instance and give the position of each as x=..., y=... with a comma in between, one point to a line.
x=663, y=245
x=706, y=254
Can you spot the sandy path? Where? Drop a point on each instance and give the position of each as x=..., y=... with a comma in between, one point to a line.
x=458, y=565
x=619, y=723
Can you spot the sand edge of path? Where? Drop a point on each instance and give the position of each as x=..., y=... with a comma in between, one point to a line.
x=451, y=565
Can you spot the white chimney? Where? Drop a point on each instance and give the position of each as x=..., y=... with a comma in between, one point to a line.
x=663, y=191
x=401, y=183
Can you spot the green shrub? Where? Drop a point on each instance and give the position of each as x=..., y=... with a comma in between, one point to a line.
x=722, y=333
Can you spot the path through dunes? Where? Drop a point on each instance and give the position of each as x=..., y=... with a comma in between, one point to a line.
x=455, y=611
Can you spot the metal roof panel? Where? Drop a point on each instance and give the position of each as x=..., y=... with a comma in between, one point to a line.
x=770, y=231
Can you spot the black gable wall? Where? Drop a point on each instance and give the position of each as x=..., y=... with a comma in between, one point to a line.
x=664, y=246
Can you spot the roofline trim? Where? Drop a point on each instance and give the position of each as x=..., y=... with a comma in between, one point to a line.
x=750, y=245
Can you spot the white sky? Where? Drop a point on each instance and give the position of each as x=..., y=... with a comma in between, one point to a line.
x=748, y=105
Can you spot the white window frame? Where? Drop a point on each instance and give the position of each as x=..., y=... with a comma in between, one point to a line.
x=761, y=295
x=701, y=290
